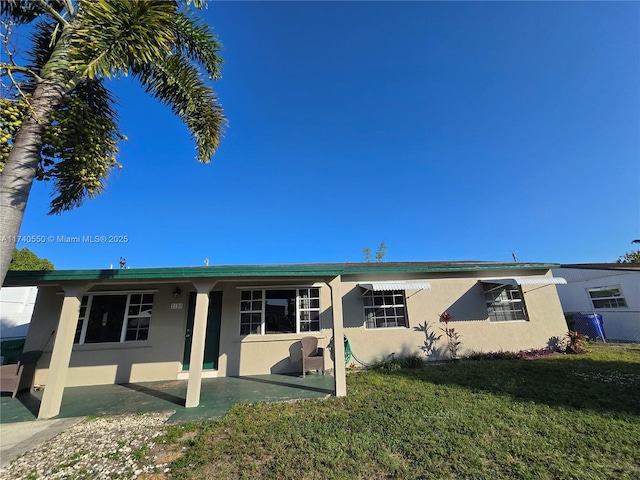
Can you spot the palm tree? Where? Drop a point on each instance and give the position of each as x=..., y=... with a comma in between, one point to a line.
x=58, y=120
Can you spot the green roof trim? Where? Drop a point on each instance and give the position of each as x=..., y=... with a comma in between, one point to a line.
x=23, y=278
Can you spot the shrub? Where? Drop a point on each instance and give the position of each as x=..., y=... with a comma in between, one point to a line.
x=393, y=363
x=390, y=363
x=575, y=342
x=502, y=355
x=412, y=361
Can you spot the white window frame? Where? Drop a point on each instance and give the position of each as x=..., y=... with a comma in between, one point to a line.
x=372, y=308
x=506, y=297
x=300, y=308
x=619, y=300
x=253, y=311
x=125, y=321
x=298, y=304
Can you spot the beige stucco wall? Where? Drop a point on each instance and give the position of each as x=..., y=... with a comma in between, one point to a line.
x=160, y=357
x=264, y=354
x=463, y=297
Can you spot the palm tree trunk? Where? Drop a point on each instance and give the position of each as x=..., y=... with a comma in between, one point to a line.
x=20, y=169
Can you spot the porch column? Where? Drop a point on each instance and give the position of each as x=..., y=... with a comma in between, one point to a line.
x=61, y=353
x=198, y=335
x=339, y=370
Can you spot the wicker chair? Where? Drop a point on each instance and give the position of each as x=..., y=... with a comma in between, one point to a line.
x=312, y=355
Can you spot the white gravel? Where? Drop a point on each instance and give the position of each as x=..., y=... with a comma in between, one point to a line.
x=108, y=447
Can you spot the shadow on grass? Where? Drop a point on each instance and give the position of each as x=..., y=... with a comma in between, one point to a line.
x=580, y=382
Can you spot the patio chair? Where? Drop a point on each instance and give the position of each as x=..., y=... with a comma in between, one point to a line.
x=312, y=355
x=10, y=376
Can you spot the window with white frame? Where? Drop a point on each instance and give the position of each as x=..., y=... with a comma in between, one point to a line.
x=251, y=307
x=285, y=310
x=114, y=317
x=385, y=309
x=505, y=303
x=309, y=309
x=607, y=297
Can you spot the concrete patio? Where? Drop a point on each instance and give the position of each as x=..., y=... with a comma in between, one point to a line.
x=217, y=397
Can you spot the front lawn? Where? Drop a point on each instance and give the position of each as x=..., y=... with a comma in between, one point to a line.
x=563, y=416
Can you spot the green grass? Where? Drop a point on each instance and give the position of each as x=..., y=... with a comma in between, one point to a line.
x=573, y=416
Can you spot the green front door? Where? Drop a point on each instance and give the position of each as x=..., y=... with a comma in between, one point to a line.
x=212, y=339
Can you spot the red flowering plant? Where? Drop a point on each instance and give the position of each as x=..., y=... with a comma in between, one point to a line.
x=453, y=337
x=575, y=342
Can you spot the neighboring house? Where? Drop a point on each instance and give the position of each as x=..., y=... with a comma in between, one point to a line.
x=137, y=325
x=609, y=289
x=16, y=308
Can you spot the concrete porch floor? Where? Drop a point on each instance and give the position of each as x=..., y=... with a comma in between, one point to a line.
x=218, y=395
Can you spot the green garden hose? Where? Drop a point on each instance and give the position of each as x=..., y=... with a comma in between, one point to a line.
x=348, y=354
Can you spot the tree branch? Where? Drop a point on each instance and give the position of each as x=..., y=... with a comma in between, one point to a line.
x=18, y=68
x=14, y=82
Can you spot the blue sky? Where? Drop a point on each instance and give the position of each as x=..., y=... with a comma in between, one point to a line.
x=451, y=130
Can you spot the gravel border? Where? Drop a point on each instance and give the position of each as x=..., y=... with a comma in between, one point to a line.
x=104, y=447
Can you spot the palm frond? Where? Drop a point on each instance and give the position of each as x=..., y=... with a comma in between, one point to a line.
x=179, y=85
x=80, y=145
x=50, y=54
x=114, y=36
x=195, y=41
x=44, y=37
x=20, y=11
x=199, y=4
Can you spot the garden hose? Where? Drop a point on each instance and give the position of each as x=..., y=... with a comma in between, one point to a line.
x=349, y=355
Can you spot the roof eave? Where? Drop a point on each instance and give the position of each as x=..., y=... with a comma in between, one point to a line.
x=23, y=278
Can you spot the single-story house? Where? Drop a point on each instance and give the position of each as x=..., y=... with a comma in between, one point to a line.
x=611, y=290
x=151, y=324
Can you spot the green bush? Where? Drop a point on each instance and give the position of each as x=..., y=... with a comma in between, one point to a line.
x=393, y=363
